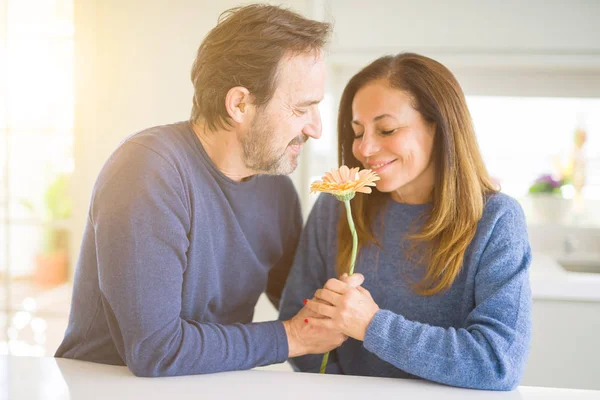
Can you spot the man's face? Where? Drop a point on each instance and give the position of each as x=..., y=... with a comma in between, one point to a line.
x=273, y=141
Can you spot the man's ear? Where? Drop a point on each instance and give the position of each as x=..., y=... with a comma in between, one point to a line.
x=237, y=102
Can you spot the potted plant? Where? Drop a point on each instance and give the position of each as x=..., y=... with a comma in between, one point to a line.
x=52, y=260
x=547, y=200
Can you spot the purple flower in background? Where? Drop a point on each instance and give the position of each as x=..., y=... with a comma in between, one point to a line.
x=546, y=184
x=549, y=180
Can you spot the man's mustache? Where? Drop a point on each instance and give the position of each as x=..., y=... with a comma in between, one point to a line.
x=299, y=140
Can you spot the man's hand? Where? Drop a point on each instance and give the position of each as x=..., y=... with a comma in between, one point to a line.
x=309, y=339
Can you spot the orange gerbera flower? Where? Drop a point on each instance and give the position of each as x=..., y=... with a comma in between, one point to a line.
x=344, y=182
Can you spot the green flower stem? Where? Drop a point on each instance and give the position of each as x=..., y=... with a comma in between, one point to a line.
x=352, y=262
x=324, y=363
x=354, y=236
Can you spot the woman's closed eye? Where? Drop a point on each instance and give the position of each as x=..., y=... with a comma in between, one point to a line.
x=388, y=132
x=359, y=135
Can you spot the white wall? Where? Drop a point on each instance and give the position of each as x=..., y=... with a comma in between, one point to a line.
x=493, y=47
x=473, y=27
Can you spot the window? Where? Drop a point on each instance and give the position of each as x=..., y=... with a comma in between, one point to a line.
x=522, y=138
x=36, y=135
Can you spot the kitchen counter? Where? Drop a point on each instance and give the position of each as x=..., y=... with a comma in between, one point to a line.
x=28, y=378
x=551, y=282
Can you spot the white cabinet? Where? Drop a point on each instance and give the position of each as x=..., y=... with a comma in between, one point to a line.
x=565, y=346
x=467, y=25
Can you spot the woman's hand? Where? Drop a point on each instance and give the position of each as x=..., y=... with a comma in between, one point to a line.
x=348, y=309
x=305, y=338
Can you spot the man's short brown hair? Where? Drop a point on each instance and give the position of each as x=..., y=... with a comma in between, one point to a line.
x=244, y=49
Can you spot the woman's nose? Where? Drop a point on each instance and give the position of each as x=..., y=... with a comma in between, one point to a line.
x=368, y=146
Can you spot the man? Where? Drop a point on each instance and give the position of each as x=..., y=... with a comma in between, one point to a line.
x=189, y=223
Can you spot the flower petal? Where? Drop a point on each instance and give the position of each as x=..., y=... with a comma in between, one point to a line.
x=336, y=175
x=344, y=173
x=343, y=182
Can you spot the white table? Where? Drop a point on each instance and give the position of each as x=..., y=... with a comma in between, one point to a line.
x=28, y=378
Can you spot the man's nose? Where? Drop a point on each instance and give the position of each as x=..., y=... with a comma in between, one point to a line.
x=313, y=127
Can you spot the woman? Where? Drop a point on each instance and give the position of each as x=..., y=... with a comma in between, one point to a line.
x=444, y=255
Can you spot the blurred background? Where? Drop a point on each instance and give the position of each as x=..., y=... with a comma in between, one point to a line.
x=78, y=76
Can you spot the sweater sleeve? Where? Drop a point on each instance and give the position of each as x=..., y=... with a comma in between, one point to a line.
x=141, y=217
x=491, y=350
x=280, y=271
x=310, y=272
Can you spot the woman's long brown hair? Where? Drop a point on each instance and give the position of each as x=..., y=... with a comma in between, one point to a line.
x=461, y=179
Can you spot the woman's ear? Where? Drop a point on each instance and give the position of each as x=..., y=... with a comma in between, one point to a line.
x=236, y=103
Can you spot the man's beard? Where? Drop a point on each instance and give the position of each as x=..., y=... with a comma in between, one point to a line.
x=259, y=154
